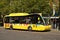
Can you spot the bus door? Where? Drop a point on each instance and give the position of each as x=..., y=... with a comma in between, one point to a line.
x=40, y=23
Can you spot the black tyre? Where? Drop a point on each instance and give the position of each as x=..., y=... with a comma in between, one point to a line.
x=11, y=27
x=30, y=28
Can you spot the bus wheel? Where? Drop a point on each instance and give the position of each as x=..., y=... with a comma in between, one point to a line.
x=30, y=28
x=11, y=28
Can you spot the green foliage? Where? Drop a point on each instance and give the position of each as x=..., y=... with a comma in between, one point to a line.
x=36, y=6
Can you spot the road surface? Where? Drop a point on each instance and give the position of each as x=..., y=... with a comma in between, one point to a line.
x=27, y=35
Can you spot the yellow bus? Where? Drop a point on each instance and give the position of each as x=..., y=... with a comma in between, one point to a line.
x=25, y=21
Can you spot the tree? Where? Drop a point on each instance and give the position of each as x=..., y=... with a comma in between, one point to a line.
x=36, y=6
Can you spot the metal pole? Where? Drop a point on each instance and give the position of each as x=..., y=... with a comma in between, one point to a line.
x=59, y=15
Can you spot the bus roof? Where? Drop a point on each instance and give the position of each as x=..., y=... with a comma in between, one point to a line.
x=18, y=14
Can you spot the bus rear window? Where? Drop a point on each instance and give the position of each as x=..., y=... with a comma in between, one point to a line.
x=7, y=20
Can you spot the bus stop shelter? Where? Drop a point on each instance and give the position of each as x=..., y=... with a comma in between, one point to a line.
x=54, y=21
